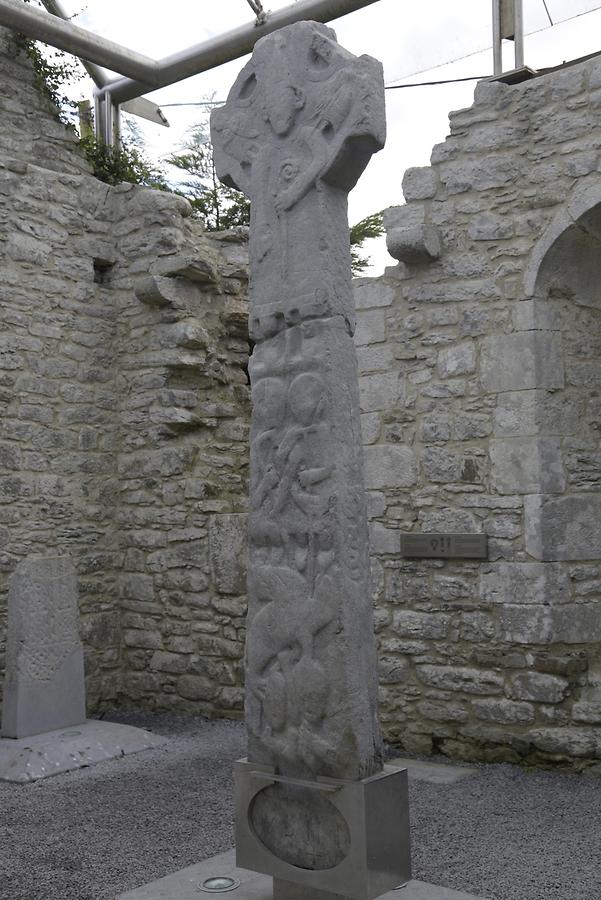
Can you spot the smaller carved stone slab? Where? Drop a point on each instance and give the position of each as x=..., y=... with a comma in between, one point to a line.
x=44, y=687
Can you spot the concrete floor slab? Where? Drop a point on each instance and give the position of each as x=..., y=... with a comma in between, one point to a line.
x=434, y=773
x=29, y=759
x=185, y=885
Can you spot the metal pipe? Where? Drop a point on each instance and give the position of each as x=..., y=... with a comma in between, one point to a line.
x=56, y=8
x=144, y=74
x=518, y=21
x=497, y=43
x=53, y=30
x=232, y=45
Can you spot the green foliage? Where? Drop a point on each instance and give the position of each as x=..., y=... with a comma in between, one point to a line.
x=370, y=227
x=53, y=68
x=222, y=207
x=219, y=206
x=114, y=165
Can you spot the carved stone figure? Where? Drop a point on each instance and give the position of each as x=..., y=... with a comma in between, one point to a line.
x=44, y=685
x=300, y=124
x=298, y=128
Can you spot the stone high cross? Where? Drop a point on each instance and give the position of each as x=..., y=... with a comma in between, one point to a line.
x=300, y=124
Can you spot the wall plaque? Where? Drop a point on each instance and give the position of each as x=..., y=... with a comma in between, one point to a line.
x=445, y=546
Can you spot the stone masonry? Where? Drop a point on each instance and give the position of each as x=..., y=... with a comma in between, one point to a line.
x=123, y=438
x=124, y=435
x=481, y=365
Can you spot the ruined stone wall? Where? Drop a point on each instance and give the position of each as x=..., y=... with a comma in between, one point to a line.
x=122, y=441
x=482, y=367
x=31, y=130
x=58, y=429
x=124, y=434
x=183, y=459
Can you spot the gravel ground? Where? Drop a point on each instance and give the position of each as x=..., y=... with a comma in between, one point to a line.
x=502, y=833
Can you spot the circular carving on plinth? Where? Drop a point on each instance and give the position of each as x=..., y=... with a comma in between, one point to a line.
x=300, y=826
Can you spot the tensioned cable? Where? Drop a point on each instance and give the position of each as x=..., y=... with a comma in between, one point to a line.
x=388, y=87
x=396, y=87
x=547, y=11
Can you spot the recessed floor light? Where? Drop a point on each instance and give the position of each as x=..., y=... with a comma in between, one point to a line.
x=219, y=884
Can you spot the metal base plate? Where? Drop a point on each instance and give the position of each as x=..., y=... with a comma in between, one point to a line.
x=184, y=885
x=32, y=758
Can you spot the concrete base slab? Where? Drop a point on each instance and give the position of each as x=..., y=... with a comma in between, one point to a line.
x=435, y=773
x=32, y=758
x=185, y=885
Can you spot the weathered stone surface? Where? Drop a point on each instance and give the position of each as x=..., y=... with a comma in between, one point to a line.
x=513, y=582
x=538, y=687
x=44, y=685
x=458, y=678
x=371, y=292
x=419, y=183
x=513, y=362
x=563, y=528
x=227, y=549
x=457, y=360
x=128, y=427
x=587, y=712
x=282, y=177
x=298, y=128
x=125, y=423
x=567, y=742
x=414, y=245
x=526, y=465
x=504, y=711
x=388, y=465
x=303, y=580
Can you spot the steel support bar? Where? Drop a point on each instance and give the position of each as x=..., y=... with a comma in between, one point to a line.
x=233, y=44
x=507, y=22
x=37, y=24
x=56, y=8
x=144, y=74
x=518, y=23
x=497, y=41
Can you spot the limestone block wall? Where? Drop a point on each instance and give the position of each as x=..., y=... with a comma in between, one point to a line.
x=123, y=435
x=123, y=438
x=30, y=129
x=57, y=394
x=124, y=429
x=182, y=461
x=481, y=375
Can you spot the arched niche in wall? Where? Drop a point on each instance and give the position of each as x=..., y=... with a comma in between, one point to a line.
x=563, y=284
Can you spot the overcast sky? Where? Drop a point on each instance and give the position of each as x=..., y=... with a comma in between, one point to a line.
x=416, y=41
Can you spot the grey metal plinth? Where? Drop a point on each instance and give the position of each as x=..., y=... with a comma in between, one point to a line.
x=376, y=811
x=186, y=885
x=29, y=759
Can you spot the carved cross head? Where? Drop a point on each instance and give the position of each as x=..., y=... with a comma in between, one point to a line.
x=302, y=111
